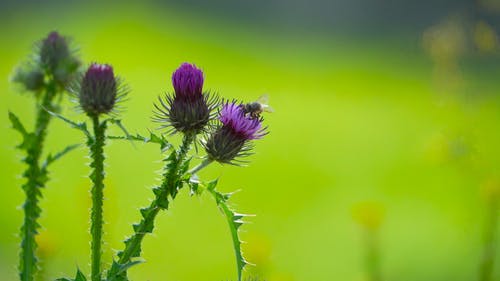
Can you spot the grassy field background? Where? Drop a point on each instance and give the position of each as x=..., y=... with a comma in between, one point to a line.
x=356, y=119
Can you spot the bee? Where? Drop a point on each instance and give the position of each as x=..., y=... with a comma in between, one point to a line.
x=254, y=109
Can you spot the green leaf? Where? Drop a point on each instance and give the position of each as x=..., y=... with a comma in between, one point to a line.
x=196, y=187
x=80, y=276
x=234, y=221
x=125, y=267
x=28, y=138
x=82, y=126
x=119, y=270
x=164, y=144
x=118, y=123
x=51, y=158
x=16, y=124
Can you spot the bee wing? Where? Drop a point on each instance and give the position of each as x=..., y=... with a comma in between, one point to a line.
x=264, y=99
x=266, y=108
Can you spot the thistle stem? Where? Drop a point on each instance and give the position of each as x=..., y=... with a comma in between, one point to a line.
x=200, y=166
x=96, y=146
x=372, y=258
x=169, y=185
x=32, y=188
x=490, y=233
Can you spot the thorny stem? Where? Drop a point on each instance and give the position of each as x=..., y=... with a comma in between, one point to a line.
x=32, y=188
x=97, y=177
x=490, y=233
x=169, y=186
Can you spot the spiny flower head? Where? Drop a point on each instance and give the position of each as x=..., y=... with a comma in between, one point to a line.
x=189, y=109
x=243, y=125
x=99, y=89
x=231, y=139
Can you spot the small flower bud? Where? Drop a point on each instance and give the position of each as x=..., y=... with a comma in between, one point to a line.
x=57, y=58
x=231, y=139
x=54, y=49
x=98, y=89
x=189, y=110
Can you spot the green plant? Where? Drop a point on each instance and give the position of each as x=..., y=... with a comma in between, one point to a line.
x=51, y=67
x=226, y=134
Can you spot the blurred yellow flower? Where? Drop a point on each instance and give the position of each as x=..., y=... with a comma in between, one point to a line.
x=490, y=189
x=369, y=214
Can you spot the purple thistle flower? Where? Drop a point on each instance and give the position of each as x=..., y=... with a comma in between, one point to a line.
x=243, y=125
x=188, y=110
x=99, y=89
x=188, y=81
x=232, y=138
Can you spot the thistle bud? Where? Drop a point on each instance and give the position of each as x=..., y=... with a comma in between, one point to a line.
x=53, y=50
x=188, y=110
x=232, y=138
x=57, y=58
x=98, y=91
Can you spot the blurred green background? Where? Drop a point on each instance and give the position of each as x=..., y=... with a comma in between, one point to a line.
x=393, y=104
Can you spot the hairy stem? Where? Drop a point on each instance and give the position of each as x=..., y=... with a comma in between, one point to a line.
x=35, y=181
x=97, y=177
x=490, y=233
x=169, y=186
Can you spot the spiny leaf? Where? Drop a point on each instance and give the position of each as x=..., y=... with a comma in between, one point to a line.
x=118, y=272
x=164, y=144
x=211, y=186
x=234, y=221
x=194, y=188
x=28, y=138
x=16, y=124
x=125, y=267
x=118, y=123
x=145, y=212
x=184, y=167
x=80, y=276
x=50, y=159
x=80, y=126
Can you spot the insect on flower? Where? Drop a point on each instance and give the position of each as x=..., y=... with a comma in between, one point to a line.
x=254, y=109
